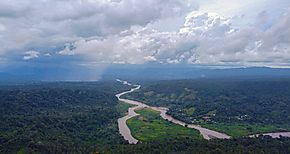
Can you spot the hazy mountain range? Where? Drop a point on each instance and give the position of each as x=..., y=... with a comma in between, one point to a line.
x=141, y=72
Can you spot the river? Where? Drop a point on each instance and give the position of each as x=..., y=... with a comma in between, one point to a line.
x=126, y=133
x=206, y=133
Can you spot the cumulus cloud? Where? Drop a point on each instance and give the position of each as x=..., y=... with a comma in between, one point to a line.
x=205, y=38
x=31, y=55
x=248, y=45
x=135, y=32
x=37, y=24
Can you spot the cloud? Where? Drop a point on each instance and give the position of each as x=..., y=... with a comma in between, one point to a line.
x=2, y=27
x=31, y=55
x=46, y=24
x=141, y=45
x=205, y=38
x=138, y=32
x=249, y=46
x=47, y=54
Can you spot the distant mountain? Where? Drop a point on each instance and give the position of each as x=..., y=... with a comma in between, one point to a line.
x=47, y=73
x=190, y=72
x=133, y=72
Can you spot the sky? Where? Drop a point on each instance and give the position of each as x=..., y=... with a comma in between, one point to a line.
x=87, y=33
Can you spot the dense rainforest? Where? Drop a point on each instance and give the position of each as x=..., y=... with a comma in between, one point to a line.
x=81, y=117
x=260, y=145
x=237, y=107
x=253, y=101
x=59, y=117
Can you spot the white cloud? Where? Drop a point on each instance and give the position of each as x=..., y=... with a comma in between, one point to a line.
x=159, y=31
x=205, y=38
x=68, y=50
x=47, y=54
x=31, y=55
x=141, y=45
x=2, y=27
x=36, y=24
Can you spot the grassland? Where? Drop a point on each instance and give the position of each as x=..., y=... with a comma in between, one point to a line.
x=239, y=129
x=149, y=126
x=122, y=108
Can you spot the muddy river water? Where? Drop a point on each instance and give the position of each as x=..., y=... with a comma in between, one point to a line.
x=206, y=133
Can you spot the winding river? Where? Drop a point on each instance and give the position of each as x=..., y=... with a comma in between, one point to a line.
x=206, y=133
x=126, y=133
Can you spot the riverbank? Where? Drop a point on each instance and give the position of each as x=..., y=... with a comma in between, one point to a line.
x=150, y=126
x=207, y=133
x=126, y=133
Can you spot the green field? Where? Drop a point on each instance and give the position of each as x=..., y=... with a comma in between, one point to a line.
x=150, y=126
x=238, y=130
x=122, y=108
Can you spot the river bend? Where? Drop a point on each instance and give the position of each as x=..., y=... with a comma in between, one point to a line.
x=126, y=133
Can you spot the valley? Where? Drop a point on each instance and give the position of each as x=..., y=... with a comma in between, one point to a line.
x=110, y=117
x=235, y=130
